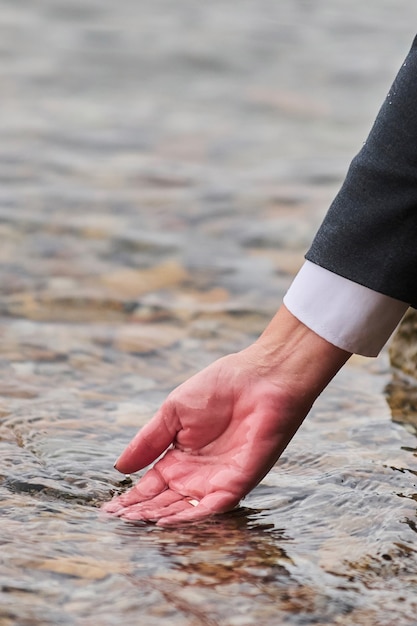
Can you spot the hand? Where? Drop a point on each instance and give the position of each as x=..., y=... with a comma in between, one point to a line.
x=224, y=428
x=227, y=426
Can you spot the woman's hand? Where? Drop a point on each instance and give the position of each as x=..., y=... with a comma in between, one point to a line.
x=224, y=428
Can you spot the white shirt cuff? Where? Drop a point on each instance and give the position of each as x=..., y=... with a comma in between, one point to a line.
x=346, y=314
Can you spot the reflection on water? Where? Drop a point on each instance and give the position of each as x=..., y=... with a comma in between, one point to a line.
x=163, y=168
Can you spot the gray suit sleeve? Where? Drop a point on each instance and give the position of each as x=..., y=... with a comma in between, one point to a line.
x=369, y=234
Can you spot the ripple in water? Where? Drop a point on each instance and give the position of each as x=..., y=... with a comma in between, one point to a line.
x=160, y=181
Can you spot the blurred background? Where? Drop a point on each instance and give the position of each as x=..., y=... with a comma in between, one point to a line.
x=163, y=168
x=209, y=135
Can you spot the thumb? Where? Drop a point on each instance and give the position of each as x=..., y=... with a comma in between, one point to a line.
x=150, y=442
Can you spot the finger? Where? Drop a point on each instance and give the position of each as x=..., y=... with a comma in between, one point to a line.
x=167, y=503
x=214, y=503
x=150, y=442
x=149, y=486
x=151, y=508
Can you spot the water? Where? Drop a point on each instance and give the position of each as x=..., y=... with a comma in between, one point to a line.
x=163, y=168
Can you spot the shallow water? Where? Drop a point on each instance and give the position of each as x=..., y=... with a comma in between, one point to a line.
x=163, y=168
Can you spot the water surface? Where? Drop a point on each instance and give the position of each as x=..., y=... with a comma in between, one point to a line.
x=163, y=168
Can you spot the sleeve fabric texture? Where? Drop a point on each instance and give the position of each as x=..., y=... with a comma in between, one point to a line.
x=369, y=234
x=346, y=314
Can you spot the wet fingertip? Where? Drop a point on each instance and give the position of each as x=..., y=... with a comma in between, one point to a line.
x=123, y=511
x=132, y=516
x=110, y=507
x=172, y=520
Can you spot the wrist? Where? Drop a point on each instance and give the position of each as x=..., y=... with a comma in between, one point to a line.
x=291, y=354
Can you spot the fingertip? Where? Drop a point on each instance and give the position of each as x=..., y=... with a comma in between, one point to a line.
x=185, y=517
x=149, y=443
x=128, y=462
x=110, y=507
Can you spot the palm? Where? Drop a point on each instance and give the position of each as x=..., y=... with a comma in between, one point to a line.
x=223, y=430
